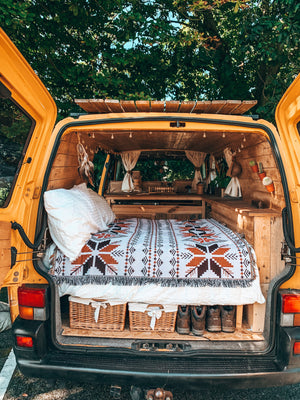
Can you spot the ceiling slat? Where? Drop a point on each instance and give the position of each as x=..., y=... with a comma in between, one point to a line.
x=216, y=106
x=99, y=106
x=186, y=106
x=201, y=106
x=143, y=105
x=172, y=106
x=230, y=106
x=85, y=105
x=157, y=106
x=128, y=105
x=244, y=107
x=114, y=105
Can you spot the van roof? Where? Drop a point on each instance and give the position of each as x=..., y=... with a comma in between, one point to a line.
x=227, y=107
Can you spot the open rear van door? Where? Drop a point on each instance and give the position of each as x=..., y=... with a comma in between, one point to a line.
x=288, y=123
x=27, y=117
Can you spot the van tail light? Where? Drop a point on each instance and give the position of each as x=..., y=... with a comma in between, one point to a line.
x=33, y=303
x=290, y=312
x=296, y=349
x=291, y=303
x=24, y=341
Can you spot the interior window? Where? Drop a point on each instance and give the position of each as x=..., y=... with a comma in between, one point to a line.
x=15, y=126
x=161, y=167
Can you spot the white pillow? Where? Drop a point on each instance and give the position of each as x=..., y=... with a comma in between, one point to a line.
x=73, y=215
x=98, y=204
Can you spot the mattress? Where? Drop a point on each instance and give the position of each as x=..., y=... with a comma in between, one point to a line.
x=165, y=261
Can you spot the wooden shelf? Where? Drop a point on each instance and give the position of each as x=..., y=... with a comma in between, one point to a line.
x=240, y=334
x=152, y=196
x=240, y=207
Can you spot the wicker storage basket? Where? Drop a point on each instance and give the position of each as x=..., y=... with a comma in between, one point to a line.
x=96, y=314
x=152, y=317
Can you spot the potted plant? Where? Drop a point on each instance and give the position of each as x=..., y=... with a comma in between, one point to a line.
x=253, y=165
x=261, y=173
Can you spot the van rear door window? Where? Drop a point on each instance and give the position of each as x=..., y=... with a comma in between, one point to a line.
x=15, y=126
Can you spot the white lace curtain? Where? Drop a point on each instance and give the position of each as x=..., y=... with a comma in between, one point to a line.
x=129, y=159
x=197, y=159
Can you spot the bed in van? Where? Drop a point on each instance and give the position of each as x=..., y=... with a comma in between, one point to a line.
x=134, y=273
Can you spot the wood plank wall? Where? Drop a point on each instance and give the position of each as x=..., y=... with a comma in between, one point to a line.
x=64, y=172
x=252, y=187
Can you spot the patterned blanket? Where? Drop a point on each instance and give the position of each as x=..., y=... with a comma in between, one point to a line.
x=169, y=252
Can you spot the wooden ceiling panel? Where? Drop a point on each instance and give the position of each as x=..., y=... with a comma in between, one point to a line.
x=214, y=142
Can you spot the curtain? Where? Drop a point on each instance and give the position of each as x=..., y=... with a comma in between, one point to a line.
x=129, y=159
x=197, y=159
x=234, y=188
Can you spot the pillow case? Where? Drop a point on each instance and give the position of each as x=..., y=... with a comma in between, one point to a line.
x=73, y=215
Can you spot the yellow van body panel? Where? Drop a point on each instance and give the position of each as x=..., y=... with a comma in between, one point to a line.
x=287, y=117
x=31, y=95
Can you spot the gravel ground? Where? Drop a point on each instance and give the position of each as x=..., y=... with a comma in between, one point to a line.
x=5, y=346
x=22, y=388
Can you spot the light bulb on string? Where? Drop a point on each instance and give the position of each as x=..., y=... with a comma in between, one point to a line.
x=244, y=139
x=130, y=135
x=204, y=134
x=112, y=136
x=223, y=135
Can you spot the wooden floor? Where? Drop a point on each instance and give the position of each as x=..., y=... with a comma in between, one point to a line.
x=240, y=334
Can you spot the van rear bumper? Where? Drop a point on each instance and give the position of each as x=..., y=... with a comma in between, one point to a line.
x=158, y=378
x=154, y=369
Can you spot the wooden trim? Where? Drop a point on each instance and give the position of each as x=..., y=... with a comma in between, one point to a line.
x=241, y=334
x=155, y=211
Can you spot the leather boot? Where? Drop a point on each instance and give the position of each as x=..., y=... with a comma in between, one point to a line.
x=183, y=320
x=228, y=319
x=198, y=315
x=213, y=319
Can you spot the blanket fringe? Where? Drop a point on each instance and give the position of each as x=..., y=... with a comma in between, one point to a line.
x=140, y=281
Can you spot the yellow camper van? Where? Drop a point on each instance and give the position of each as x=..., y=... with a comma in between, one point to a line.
x=138, y=274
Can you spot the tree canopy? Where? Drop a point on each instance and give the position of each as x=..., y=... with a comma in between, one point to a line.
x=158, y=49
